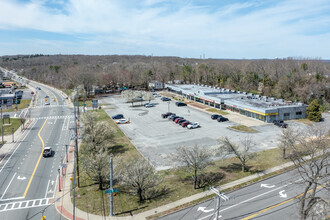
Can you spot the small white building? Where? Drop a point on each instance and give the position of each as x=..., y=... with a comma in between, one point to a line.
x=156, y=85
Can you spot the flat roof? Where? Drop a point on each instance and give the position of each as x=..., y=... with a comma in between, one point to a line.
x=234, y=98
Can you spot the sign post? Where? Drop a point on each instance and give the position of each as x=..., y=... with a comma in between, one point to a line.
x=95, y=103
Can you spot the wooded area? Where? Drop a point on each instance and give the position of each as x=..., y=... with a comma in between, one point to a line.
x=295, y=79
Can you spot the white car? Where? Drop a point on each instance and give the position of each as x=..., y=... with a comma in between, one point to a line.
x=193, y=125
x=122, y=121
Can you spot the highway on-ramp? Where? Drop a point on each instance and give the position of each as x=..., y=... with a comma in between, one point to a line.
x=28, y=181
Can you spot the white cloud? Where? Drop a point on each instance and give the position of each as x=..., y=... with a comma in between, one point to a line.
x=251, y=28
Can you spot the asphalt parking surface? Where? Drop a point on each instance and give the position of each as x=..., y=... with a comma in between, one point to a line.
x=157, y=138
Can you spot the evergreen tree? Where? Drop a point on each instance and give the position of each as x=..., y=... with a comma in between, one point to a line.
x=313, y=111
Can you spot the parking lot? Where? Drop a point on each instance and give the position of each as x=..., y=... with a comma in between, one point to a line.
x=156, y=138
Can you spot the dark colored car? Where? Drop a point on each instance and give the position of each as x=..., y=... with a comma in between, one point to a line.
x=171, y=117
x=177, y=119
x=185, y=123
x=215, y=116
x=165, y=99
x=181, y=121
x=180, y=104
x=222, y=119
x=118, y=116
x=280, y=124
x=167, y=114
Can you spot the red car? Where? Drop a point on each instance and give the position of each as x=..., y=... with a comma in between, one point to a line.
x=184, y=124
x=176, y=120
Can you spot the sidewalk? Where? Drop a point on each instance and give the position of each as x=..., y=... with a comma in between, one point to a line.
x=65, y=206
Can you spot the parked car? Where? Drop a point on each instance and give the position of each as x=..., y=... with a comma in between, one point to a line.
x=167, y=114
x=47, y=152
x=193, y=125
x=122, y=121
x=171, y=117
x=280, y=124
x=215, y=116
x=149, y=105
x=177, y=119
x=222, y=119
x=180, y=104
x=185, y=123
x=118, y=116
x=181, y=120
x=156, y=95
x=165, y=99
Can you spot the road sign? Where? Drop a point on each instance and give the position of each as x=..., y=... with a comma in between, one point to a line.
x=83, y=105
x=115, y=190
x=94, y=103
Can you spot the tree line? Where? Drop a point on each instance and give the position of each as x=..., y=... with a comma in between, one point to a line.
x=295, y=79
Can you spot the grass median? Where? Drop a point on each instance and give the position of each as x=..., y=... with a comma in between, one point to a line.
x=8, y=125
x=24, y=103
x=176, y=180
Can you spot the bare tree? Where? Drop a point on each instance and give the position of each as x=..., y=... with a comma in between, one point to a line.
x=195, y=159
x=96, y=165
x=139, y=177
x=242, y=151
x=148, y=96
x=288, y=139
x=311, y=157
x=96, y=134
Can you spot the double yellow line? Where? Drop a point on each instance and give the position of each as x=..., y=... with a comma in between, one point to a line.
x=282, y=203
x=35, y=168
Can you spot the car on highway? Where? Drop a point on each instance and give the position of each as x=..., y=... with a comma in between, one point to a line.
x=167, y=114
x=38, y=88
x=185, y=123
x=32, y=93
x=222, y=119
x=46, y=96
x=215, y=116
x=193, y=125
x=165, y=99
x=118, y=116
x=180, y=104
x=280, y=123
x=47, y=152
x=122, y=121
x=149, y=105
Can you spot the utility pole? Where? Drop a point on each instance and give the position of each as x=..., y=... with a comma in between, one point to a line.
x=74, y=167
x=219, y=197
x=66, y=153
x=111, y=188
x=76, y=140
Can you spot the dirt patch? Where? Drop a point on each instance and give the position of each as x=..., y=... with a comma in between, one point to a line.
x=197, y=105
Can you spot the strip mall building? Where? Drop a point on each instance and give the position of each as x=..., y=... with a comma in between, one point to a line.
x=255, y=106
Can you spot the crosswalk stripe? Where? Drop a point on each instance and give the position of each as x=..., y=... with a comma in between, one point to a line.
x=53, y=117
x=24, y=204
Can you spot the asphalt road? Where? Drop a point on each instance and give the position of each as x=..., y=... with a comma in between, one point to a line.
x=28, y=181
x=267, y=199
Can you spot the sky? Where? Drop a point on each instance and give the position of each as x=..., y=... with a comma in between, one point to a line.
x=229, y=29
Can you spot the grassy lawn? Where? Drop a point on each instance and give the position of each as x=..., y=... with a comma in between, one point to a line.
x=24, y=104
x=7, y=127
x=243, y=128
x=214, y=110
x=177, y=182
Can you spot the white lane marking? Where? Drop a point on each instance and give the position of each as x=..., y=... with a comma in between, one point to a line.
x=15, y=198
x=282, y=194
x=8, y=186
x=47, y=189
x=267, y=186
x=250, y=199
x=21, y=178
x=203, y=209
x=14, y=150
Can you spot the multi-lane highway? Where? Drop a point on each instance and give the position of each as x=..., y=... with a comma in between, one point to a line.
x=273, y=198
x=28, y=181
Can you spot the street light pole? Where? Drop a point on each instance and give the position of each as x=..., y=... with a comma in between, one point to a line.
x=59, y=179
x=66, y=153
x=111, y=188
x=1, y=127
x=76, y=140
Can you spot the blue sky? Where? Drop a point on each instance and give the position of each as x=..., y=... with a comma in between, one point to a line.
x=216, y=28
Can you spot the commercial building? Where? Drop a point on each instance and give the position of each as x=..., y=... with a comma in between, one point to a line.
x=255, y=106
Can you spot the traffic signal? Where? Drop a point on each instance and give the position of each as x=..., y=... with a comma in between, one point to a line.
x=114, y=194
x=43, y=218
